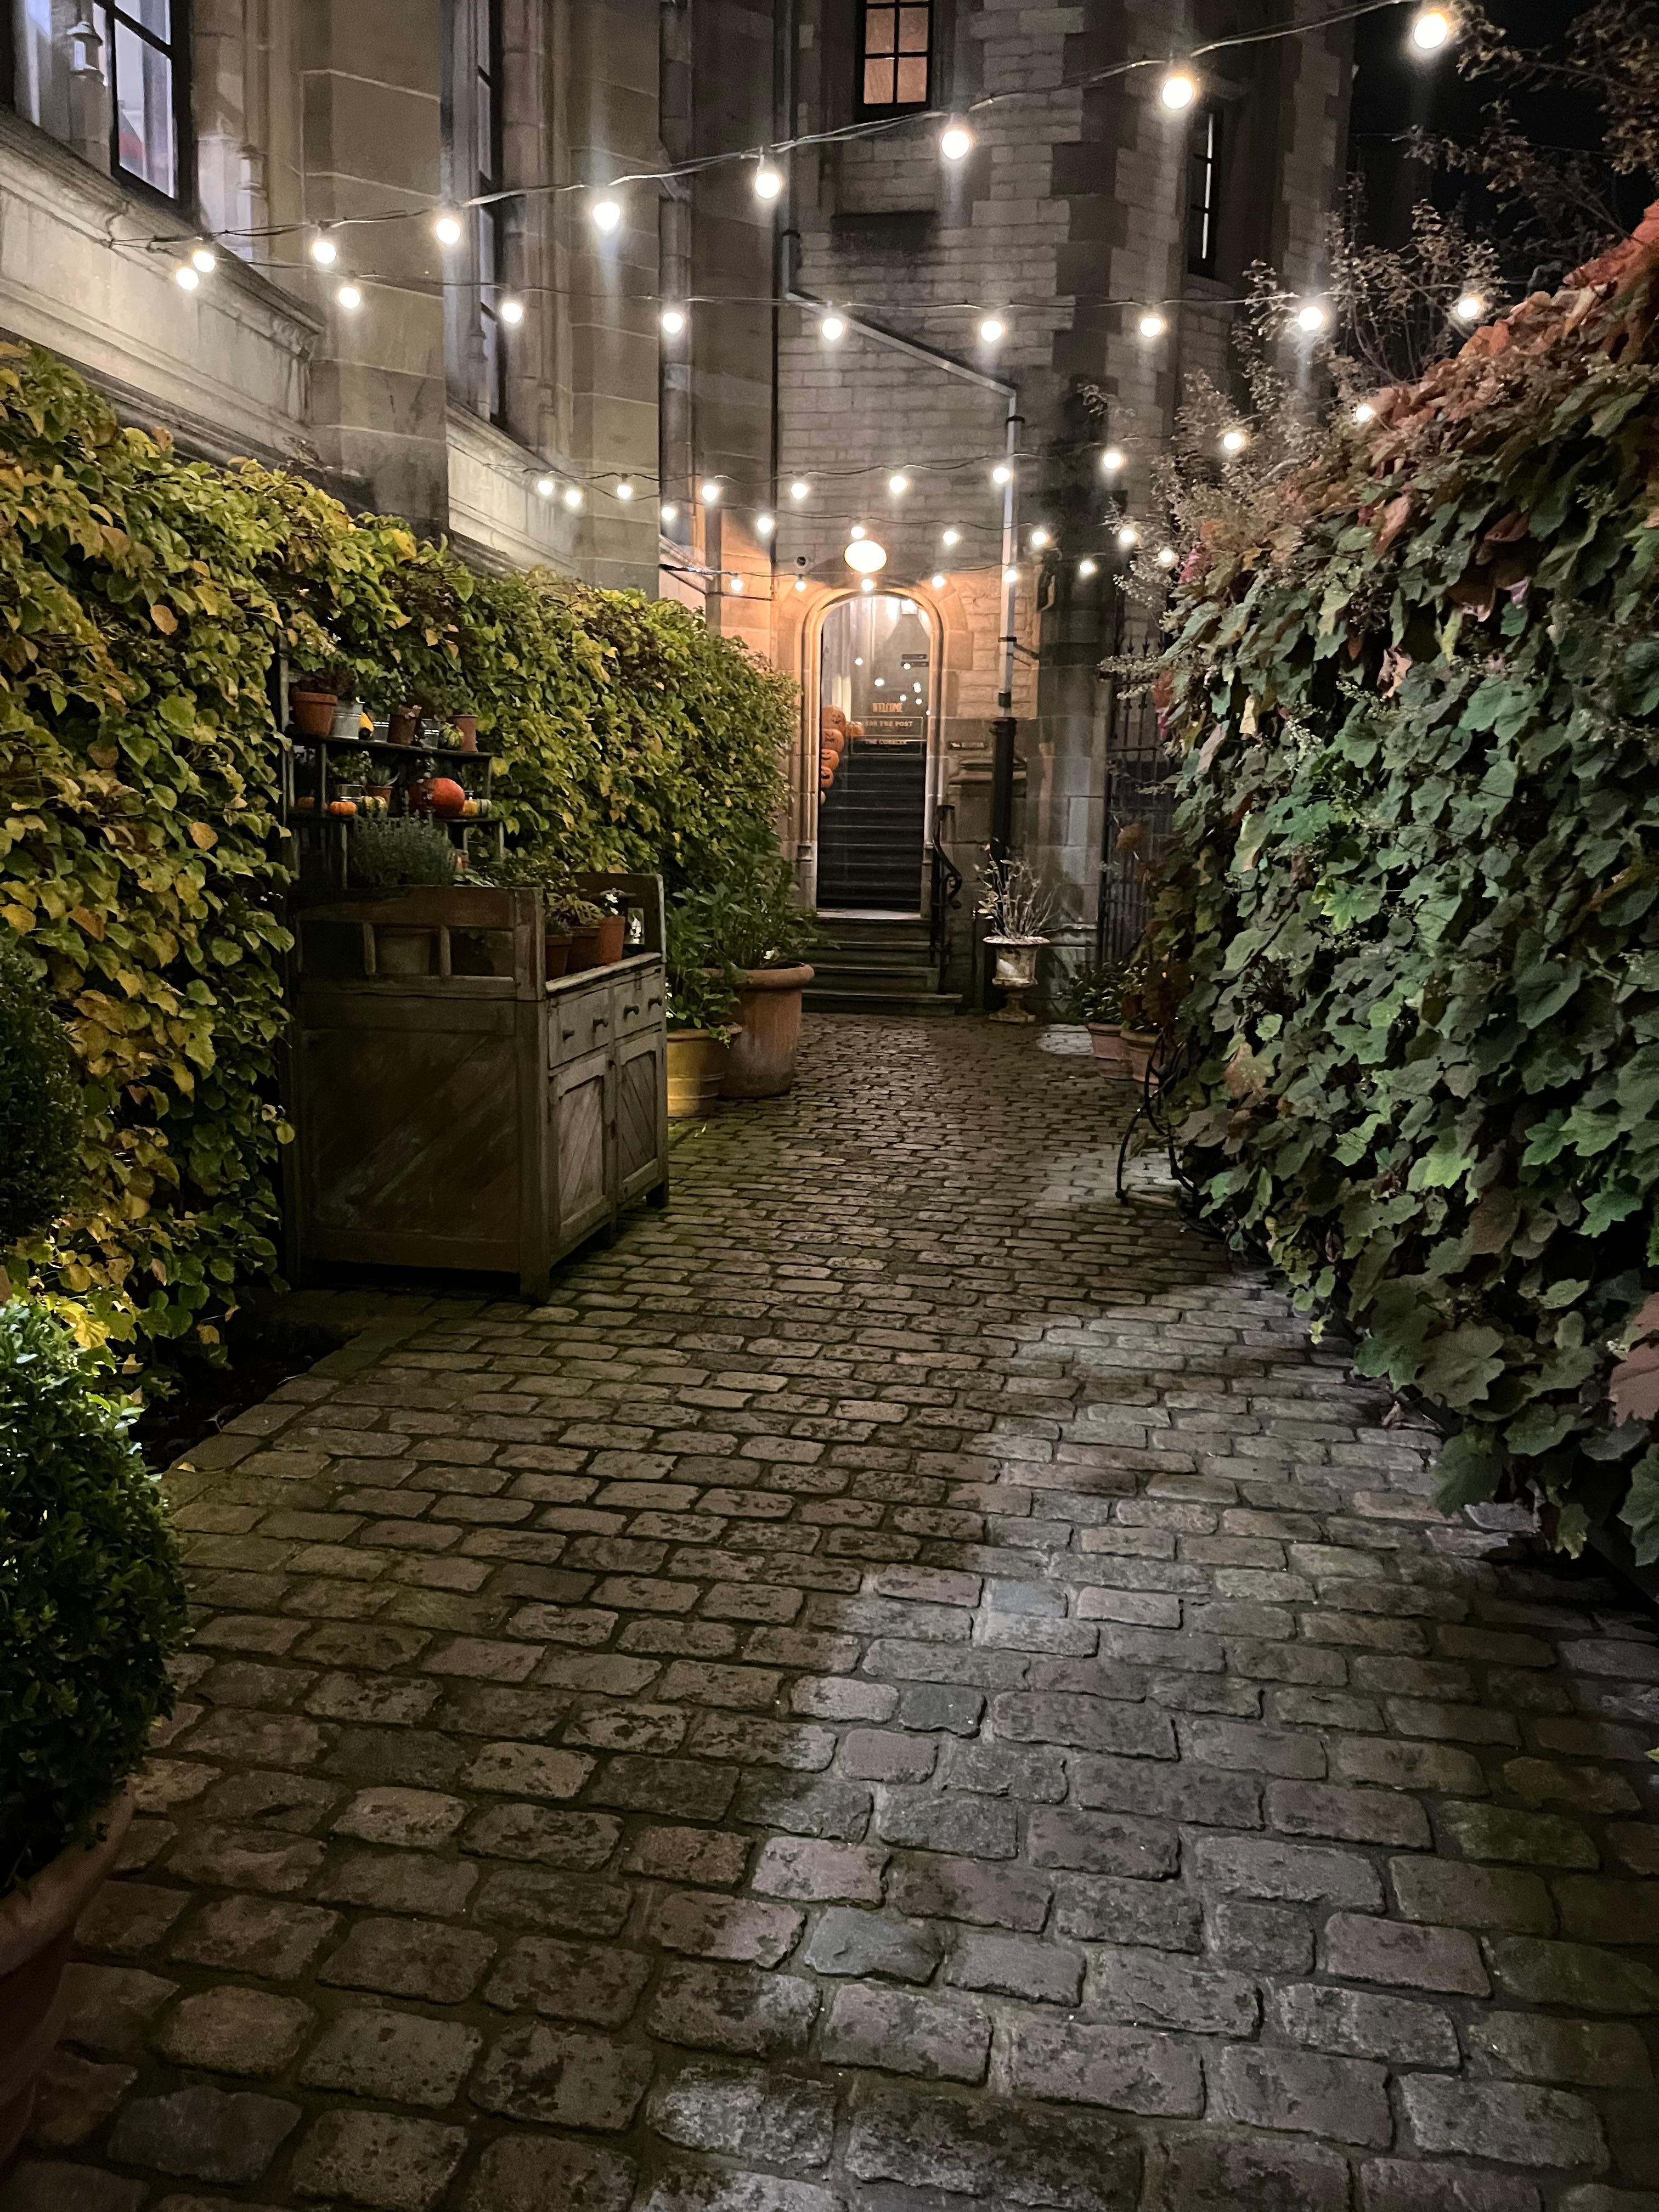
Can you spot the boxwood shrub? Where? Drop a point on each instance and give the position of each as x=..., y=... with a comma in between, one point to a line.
x=91, y=1603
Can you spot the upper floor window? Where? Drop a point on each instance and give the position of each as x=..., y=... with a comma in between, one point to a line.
x=896, y=49
x=1203, y=190
x=477, y=169
x=120, y=95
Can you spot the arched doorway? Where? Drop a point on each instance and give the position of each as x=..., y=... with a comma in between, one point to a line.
x=876, y=668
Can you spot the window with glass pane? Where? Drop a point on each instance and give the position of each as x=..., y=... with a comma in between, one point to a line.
x=487, y=143
x=1203, y=190
x=896, y=53
x=145, y=42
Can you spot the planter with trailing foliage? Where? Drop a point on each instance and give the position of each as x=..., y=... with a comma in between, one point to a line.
x=92, y=1608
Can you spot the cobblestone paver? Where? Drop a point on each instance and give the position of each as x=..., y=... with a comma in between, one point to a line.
x=909, y=1688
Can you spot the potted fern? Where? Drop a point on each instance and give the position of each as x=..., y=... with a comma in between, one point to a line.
x=1094, y=996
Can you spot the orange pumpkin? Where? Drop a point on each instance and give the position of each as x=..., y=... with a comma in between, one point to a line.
x=343, y=809
x=448, y=797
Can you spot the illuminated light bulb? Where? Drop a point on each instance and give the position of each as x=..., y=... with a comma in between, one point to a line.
x=1129, y=536
x=897, y=484
x=1364, y=412
x=672, y=321
x=955, y=142
x=1002, y=474
x=1469, y=308
x=857, y=532
x=545, y=487
x=881, y=682
x=185, y=278
x=938, y=582
x=736, y=582
x=446, y=228
x=765, y=524
x=511, y=313
x=991, y=331
x=800, y=489
x=1011, y=575
x=1040, y=537
x=624, y=489
x=1311, y=317
x=866, y=584
x=1234, y=441
x=864, y=557
x=203, y=260
x=800, y=583
x=1151, y=325
x=832, y=329
x=605, y=215
x=1087, y=567
x=572, y=498
x=949, y=538
x=768, y=182
x=324, y=251
x=1111, y=460
x=1431, y=29
x=858, y=660
x=1167, y=557
x=708, y=492
x=1178, y=90
x=350, y=297
x=670, y=511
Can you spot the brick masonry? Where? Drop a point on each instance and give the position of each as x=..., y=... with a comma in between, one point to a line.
x=907, y=1688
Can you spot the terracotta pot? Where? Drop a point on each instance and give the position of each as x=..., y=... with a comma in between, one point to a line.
x=697, y=1062
x=763, y=1054
x=1138, y=1046
x=402, y=726
x=313, y=713
x=613, y=937
x=1106, y=1040
x=467, y=727
x=555, y=946
x=584, y=947
x=37, y=1923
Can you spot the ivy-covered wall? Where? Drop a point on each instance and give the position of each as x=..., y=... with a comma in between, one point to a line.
x=143, y=600
x=1414, y=894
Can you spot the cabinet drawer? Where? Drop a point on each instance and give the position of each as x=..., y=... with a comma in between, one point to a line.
x=578, y=1023
x=638, y=1000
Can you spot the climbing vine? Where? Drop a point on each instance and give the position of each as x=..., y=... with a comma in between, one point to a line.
x=1414, y=887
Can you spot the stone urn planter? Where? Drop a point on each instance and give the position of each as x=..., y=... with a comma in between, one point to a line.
x=697, y=1061
x=1015, y=974
x=761, y=1063
x=37, y=1923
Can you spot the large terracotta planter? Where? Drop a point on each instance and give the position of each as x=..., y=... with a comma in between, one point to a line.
x=763, y=1058
x=696, y=1068
x=1138, y=1046
x=37, y=1924
x=1106, y=1039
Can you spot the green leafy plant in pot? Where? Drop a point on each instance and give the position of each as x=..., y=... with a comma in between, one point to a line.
x=539, y=867
x=702, y=1001
x=1094, y=996
x=750, y=915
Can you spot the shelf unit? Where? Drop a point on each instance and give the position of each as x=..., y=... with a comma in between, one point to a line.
x=311, y=780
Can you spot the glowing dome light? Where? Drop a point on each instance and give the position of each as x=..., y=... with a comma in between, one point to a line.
x=1178, y=90
x=1151, y=325
x=864, y=557
x=1431, y=28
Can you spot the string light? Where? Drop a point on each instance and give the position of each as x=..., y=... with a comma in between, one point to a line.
x=605, y=215
x=1111, y=460
x=1311, y=317
x=955, y=142
x=800, y=489
x=324, y=252
x=1469, y=308
x=709, y=492
x=832, y=329
x=938, y=582
x=203, y=260
x=1167, y=557
x=768, y=182
x=991, y=331
x=949, y=538
x=1364, y=412
x=349, y=296
x=545, y=487
x=1011, y=575
x=624, y=489
x=765, y=524
x=735, y=582
x=185, y=278
x=670, y=511
x=857, y=532
x=673, y=321
x=1040, y=537
x=1178, y=90
x=446, y=228
x=800, y=583
x=572, y=498
x=511, y=311
x=1002, y=474
x=866, y=583
x=1431, y=29
x=1127, y=536
x=899, y=484
x=1234, y=441
x=1151, y=325
x=1086, y=567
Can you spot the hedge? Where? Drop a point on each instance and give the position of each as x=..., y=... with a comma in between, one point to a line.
x=1414, y=890
x=140, y=865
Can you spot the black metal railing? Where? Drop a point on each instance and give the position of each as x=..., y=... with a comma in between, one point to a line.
x=944, y=886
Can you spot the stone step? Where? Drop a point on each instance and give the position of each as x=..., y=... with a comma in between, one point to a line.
x=925, y=1004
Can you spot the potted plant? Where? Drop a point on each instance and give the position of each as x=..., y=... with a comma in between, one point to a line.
x=702, y=998
x=400, y=852
x=352, y=772
x=402, y=726
x=1019, y=910
x=1094, y=996
x=751, y=915
x=312, y=701
x=1152, y=992
x=539, y=867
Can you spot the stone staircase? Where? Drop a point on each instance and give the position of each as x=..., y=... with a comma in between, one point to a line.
x=876, y=967
x=870, y=831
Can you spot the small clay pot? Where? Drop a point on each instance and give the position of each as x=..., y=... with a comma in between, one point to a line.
x=313, y=713
x=612, y=934
x=584, y=947
x=557, y=946
x=402, y=726
x=466, y=727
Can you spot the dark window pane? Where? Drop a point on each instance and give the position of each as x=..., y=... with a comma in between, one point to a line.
x=912, y=83
x=145, y=146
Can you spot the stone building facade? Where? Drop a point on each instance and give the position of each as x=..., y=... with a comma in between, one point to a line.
x=136, y=130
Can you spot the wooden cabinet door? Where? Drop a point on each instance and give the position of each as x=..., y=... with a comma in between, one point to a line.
x=641, y=1139
x=581, y=1183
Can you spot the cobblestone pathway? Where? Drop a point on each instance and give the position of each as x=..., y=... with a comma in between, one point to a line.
x=908, y=1688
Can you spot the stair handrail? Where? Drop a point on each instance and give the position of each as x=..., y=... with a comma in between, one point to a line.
x=944, y=885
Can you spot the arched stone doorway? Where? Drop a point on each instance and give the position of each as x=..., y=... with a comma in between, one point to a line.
x=877, y=670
